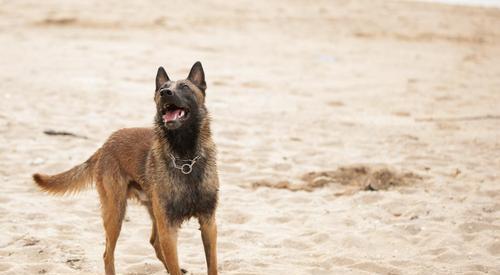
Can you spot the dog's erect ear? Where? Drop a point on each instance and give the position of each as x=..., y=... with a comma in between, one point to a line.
x=161, y=78
x=197, y=76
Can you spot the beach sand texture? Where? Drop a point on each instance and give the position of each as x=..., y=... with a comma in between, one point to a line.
x=354, y=137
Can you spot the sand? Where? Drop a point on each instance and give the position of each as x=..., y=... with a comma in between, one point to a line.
x=354, y=137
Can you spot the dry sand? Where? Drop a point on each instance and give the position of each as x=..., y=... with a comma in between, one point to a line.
x=373, y=124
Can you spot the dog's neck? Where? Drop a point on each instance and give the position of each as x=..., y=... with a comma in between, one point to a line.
x=185, y=142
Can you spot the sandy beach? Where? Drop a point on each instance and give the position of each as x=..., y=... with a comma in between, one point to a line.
x=354, y=137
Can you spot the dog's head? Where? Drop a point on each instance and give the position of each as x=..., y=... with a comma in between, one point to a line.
x=180, y=103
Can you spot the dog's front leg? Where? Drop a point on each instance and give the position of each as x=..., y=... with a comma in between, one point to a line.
x=167, y=234
x=208, y=229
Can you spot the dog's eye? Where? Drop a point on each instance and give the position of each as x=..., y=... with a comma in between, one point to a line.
x=184, y=86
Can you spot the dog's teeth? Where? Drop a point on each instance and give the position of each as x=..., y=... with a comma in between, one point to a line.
x=181, y=113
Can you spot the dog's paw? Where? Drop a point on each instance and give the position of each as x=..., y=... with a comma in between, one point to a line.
x=182, y=270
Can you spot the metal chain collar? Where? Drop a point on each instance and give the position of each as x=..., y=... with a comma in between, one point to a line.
x=185, y=168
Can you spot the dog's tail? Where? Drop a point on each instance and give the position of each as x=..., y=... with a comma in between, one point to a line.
x=71, y=181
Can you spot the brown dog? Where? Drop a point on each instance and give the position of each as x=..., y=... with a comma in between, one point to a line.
x=171, y=169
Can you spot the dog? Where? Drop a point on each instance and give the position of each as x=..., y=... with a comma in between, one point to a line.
x=170, y=168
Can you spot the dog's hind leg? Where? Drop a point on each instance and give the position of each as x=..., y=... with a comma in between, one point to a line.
x=113, y=204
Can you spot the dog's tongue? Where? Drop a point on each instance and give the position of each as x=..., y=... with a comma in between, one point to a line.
x=172, y=115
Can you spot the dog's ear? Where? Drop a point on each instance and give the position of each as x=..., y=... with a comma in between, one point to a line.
x=197, y=76
x=161, y=77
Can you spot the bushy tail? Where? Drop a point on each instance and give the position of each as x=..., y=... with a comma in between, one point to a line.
x=71, y=181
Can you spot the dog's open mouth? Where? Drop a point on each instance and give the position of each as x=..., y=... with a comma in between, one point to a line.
x=172, y=113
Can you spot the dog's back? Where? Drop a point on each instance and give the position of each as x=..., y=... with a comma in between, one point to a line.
x=120, y=160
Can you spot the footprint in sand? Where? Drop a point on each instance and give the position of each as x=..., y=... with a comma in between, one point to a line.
x=447, y=126
x=40, y=269
x=253, y=85
x=494, y=249
x=228, y=246
x=300, y=199
x=4, y=200
x=58, y=21
x=5, y=267
x=278, y=220
x=320, y=238
x=237, y=217
x=473, y=268
x=342, y=261
x=401, y=113
x=436, y=251
x=292, y=243
x=370, y=198
x=227, y=266
x=30, y=241
x=143, y=268
x=138, y=249
x=220, y=83
x=449, y=257
x=75, y=262
x=474, y=227
x=411, y=229
x=353, y=242
x=230, y=169
x=232, y=134
x=282, y=167
x=335, y=103
x=374, y=268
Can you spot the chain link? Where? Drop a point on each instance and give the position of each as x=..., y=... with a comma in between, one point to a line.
x=186, y=168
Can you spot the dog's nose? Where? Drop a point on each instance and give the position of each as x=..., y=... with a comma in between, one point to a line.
x=166, y=92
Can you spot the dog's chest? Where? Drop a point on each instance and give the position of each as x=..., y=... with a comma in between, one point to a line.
x=190, y=199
